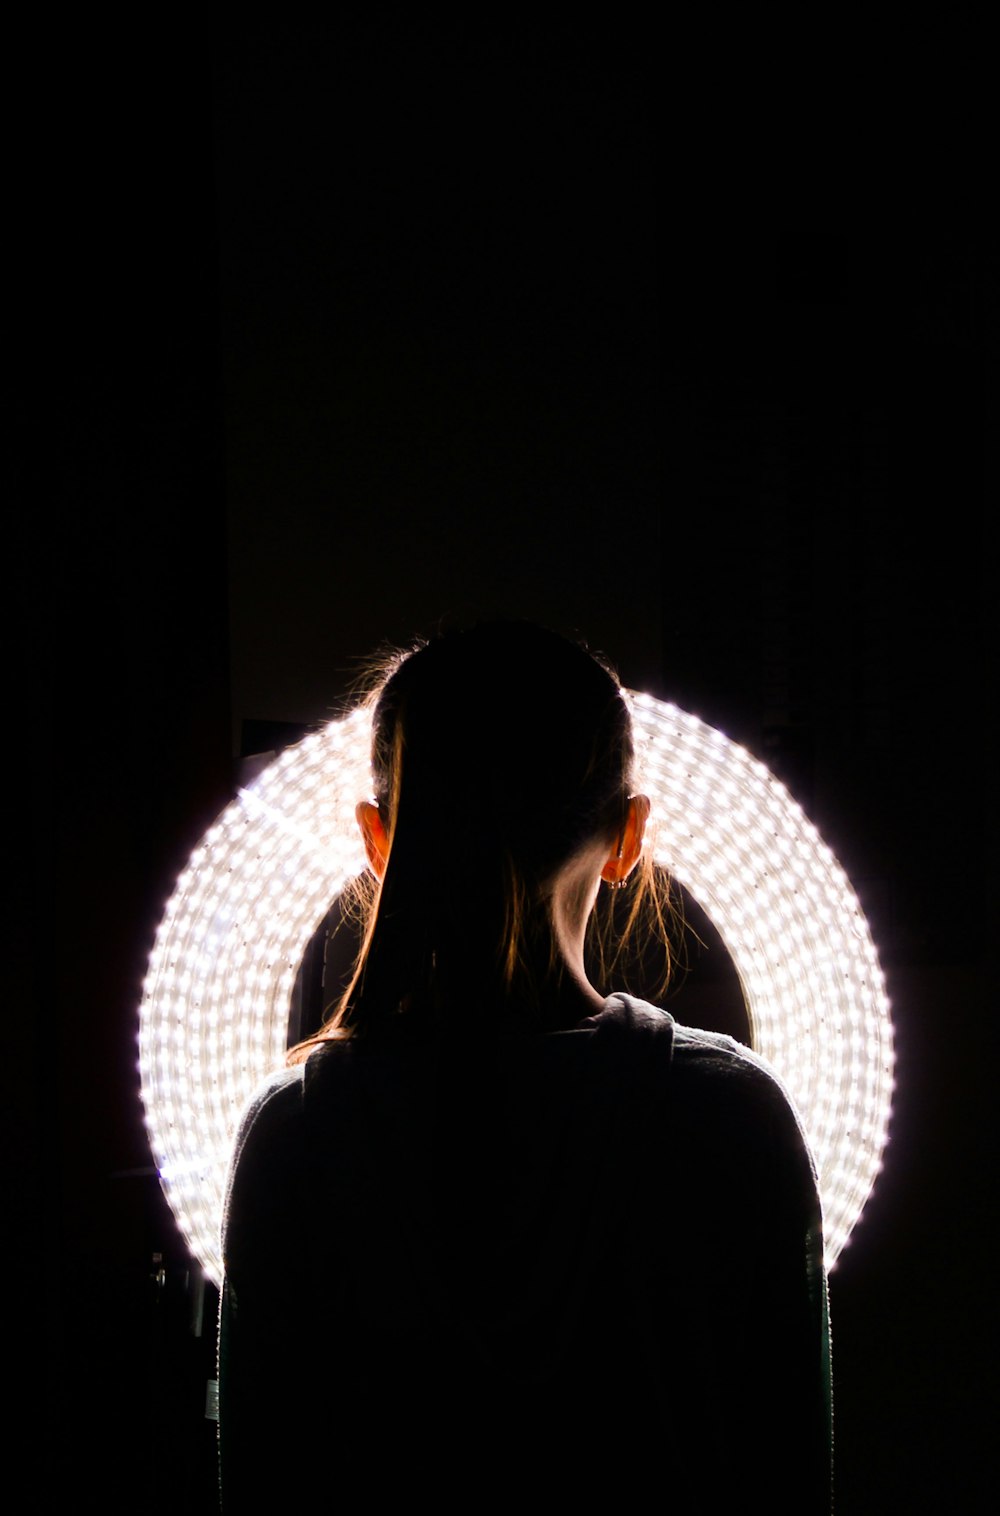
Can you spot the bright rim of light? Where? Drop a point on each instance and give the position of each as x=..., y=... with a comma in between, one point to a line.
x=216, y=1000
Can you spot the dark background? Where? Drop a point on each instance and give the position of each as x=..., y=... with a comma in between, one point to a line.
x=332, y=334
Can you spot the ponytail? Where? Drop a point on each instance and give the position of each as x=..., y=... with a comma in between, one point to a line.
x=497, y=753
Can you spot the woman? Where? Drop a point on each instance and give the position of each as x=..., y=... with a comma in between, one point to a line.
x=492, y=1230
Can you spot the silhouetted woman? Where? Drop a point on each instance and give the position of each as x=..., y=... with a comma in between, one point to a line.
x=493, y=1237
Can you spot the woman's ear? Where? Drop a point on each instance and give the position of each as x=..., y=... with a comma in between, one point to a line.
x=628, y=847
x=374, y=834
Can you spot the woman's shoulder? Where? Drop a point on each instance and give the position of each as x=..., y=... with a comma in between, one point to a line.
x=274, y=1104
x=694, y=1044
x=267, y=1139
x=711, y=1053
x=723, y=1080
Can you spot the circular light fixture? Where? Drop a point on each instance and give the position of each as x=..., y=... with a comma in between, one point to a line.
x=215, y=1006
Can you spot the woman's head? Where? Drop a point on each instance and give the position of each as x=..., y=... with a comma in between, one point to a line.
x=504, y=739
x=500, y=754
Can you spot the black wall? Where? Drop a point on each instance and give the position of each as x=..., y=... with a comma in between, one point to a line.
x=328, y=336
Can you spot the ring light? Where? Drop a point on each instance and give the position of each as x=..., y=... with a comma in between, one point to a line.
x=216, y=999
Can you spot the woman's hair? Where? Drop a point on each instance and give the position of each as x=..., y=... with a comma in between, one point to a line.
x=498, y=753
